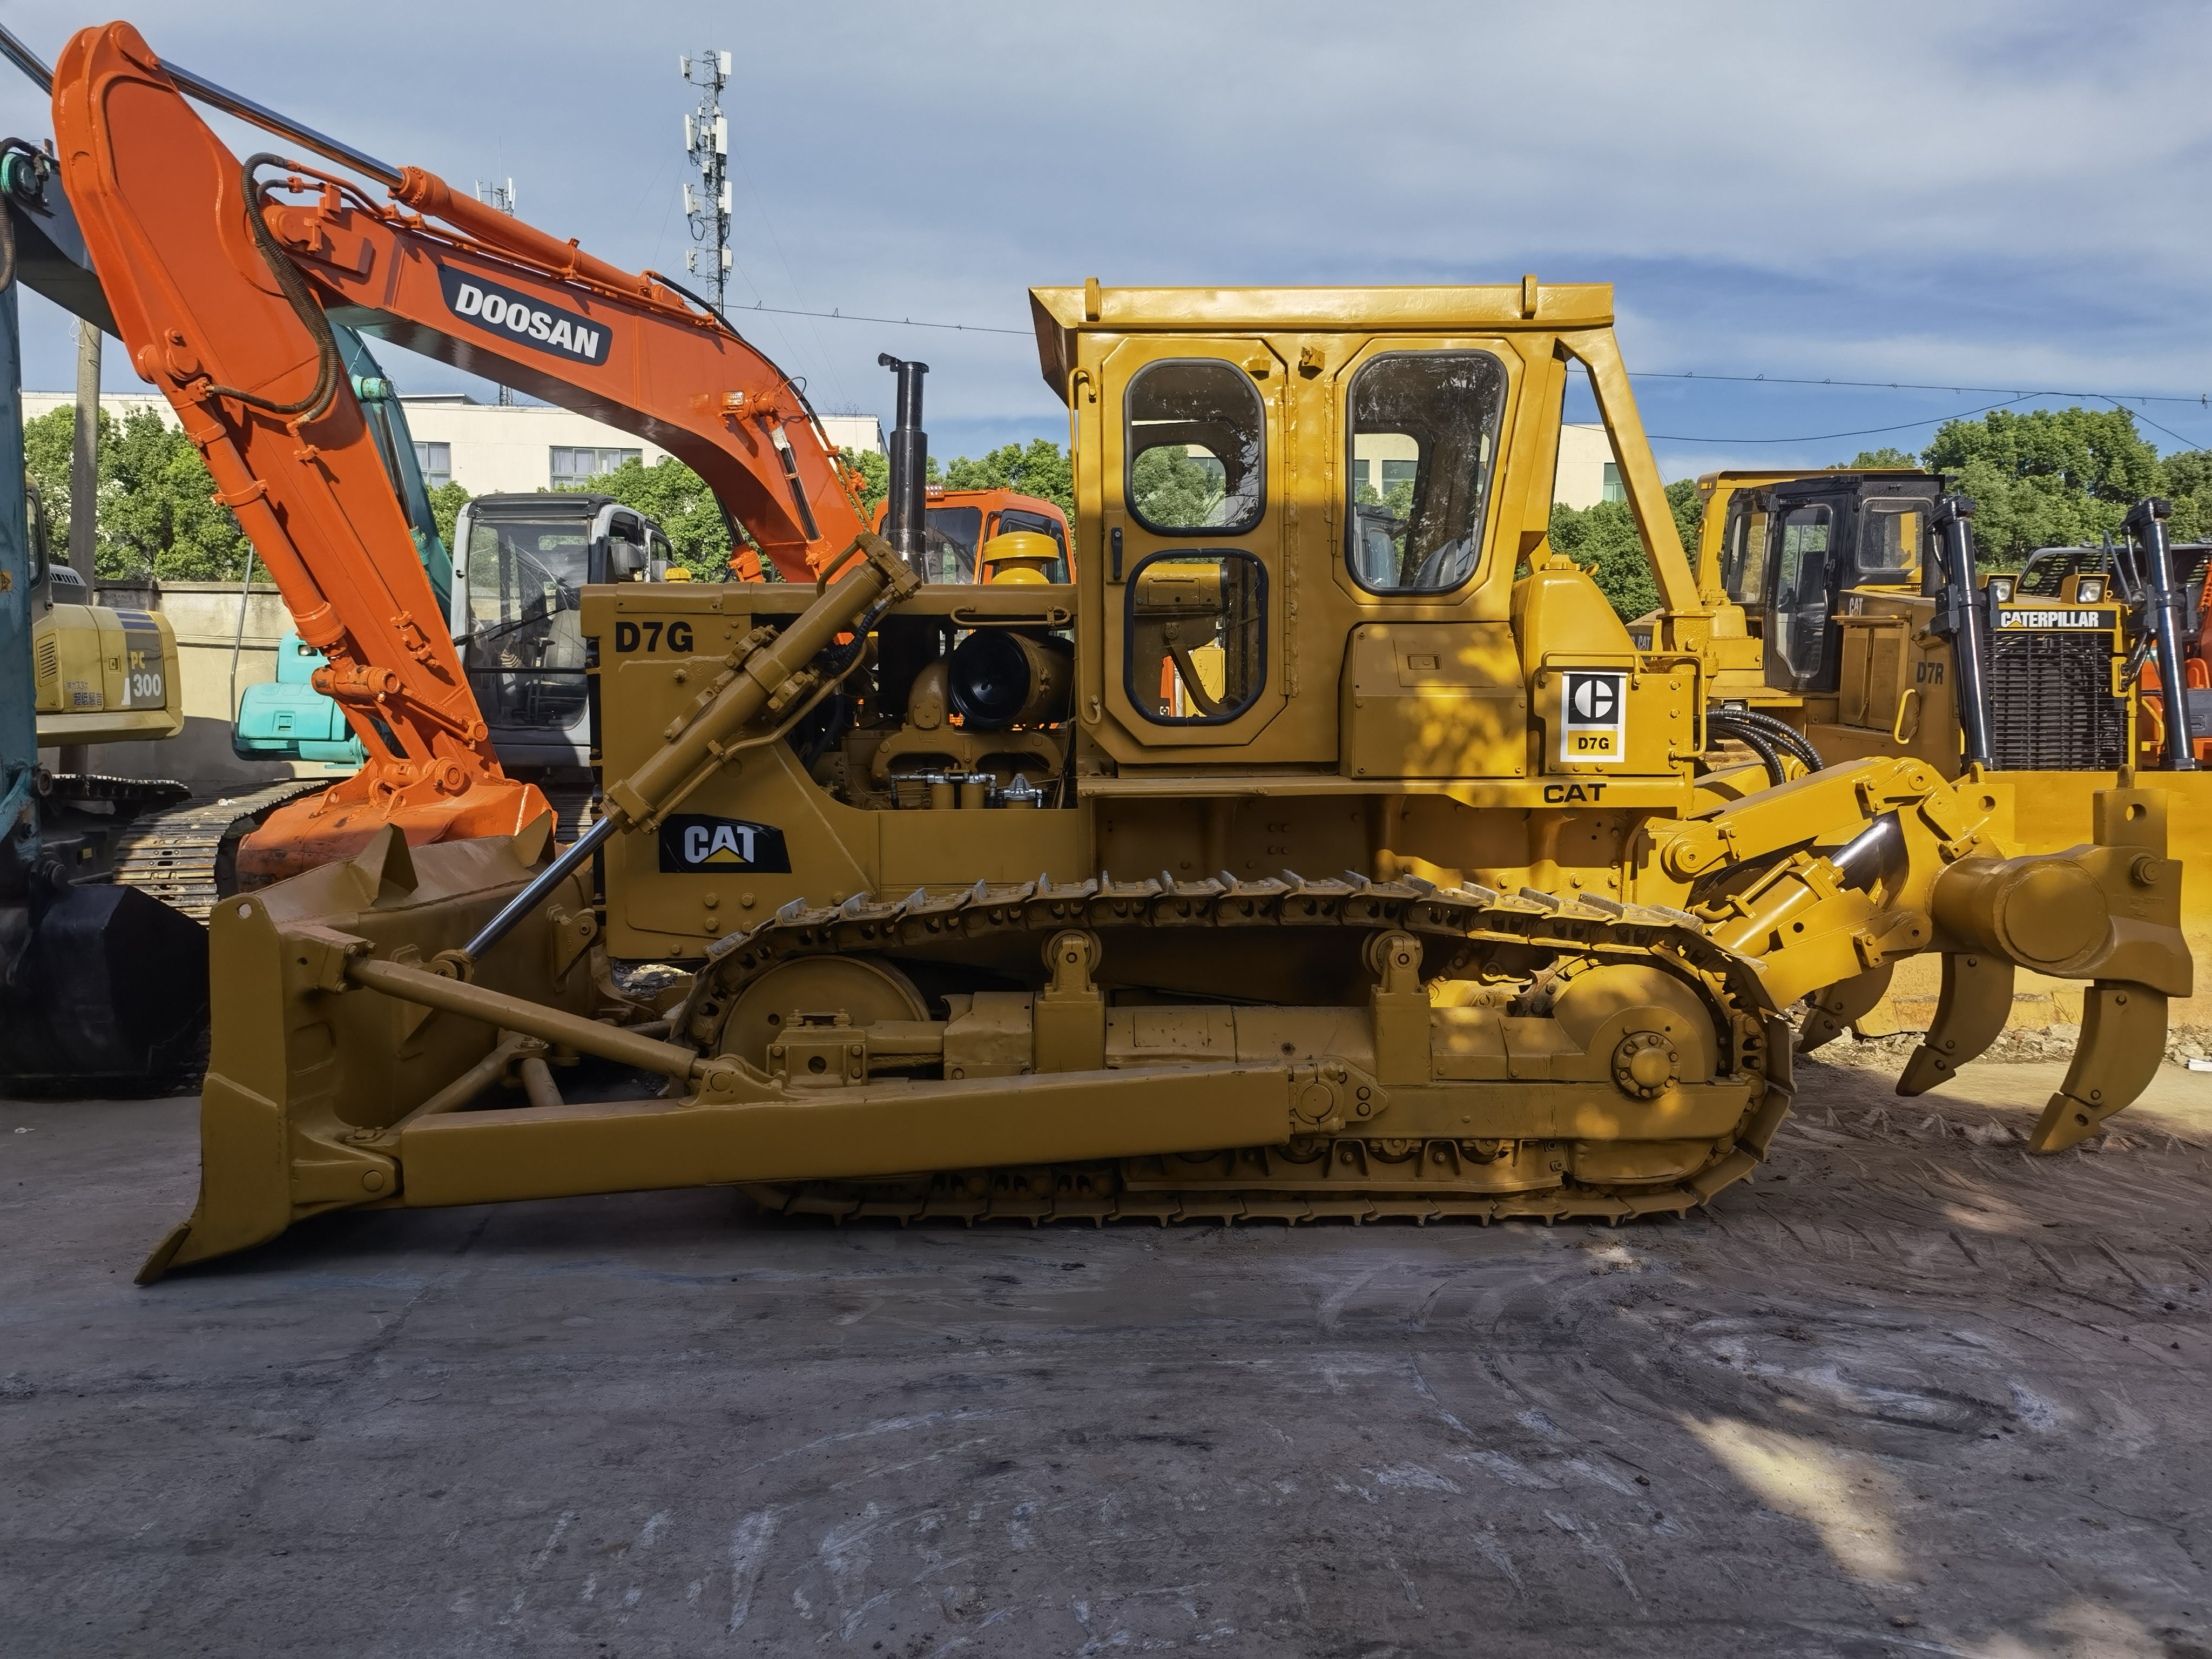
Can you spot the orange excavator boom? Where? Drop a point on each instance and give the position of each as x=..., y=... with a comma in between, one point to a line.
x=224, y=276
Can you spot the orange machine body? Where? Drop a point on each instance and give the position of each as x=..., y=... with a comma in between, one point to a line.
x=958, y=522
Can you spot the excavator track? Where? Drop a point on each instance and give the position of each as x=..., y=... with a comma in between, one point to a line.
x=1356, y=1178
x=174, y=855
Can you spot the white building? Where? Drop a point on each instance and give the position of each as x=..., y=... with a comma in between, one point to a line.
x=1588, y=473
x=491, y=449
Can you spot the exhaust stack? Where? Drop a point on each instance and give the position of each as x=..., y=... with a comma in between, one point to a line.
x=909, y=459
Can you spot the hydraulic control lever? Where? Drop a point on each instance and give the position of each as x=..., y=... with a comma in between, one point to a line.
x=768, y=672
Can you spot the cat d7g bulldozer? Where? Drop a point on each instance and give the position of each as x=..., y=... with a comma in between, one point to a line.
x=1299, y=861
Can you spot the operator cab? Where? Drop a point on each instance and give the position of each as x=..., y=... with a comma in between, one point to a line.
x=1798, y=548
x=520, y=565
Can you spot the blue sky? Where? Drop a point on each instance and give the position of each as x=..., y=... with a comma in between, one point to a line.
x=1959, y=196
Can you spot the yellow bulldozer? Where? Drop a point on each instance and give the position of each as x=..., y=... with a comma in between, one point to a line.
x=1305, y=858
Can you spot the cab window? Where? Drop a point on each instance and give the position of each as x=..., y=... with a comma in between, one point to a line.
x=525, y=649
x=949, y=535
x=1424, y=447
x=1197, y=632
x=1889, y=536
x=1196, y=448
x=1802, y=589
x=1743, y=558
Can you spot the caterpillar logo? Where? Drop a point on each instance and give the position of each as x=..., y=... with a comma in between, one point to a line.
x=1593, y=718
x=695, y=843
x=2010, y=618
x=523, y=318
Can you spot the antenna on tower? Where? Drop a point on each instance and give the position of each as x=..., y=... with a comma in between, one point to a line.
x=500, y=196
x=707, y=141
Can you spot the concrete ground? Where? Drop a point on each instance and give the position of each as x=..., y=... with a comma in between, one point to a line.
x=1910, y=1393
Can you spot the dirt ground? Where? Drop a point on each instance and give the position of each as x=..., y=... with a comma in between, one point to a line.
x=1911, y=1393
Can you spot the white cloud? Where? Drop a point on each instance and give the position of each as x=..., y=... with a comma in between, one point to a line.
x=1997, y=194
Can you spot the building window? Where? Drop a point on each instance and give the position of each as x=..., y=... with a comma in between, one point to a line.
x=574, y=467
x=1613, y=492
x=436, y=463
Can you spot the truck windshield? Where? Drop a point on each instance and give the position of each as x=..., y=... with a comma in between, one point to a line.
x=525, y=652
x=949, y=536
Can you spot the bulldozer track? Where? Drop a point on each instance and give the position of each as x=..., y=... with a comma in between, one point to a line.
x=1357, y=1178
x=172, y=855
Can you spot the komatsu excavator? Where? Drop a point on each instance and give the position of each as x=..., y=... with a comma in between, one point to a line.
x=1290, y=861
x=103, y=989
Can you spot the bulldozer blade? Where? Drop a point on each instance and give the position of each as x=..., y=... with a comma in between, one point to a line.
x=1841, y=1006
x=304, y=1075
x=107, y=995
x=1975, y=1001
x=2123, y=1042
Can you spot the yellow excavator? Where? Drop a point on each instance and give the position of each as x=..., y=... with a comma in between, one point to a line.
x=1299, y=860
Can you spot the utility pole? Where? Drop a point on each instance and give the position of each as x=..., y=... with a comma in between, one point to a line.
x=502, y=198
x=84, y=454
x=707, y=141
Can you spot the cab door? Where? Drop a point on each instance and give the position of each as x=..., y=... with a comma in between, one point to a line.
x=1191, y=458
x=1807, y=555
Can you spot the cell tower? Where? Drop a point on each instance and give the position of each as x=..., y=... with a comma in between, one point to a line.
x=707, y=141
x=500, y=196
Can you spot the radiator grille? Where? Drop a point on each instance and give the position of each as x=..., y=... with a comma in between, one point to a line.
x=2051, y=707
x=49, y=664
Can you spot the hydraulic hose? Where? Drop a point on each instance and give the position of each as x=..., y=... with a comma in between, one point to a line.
x=1725, y=725
x=1783, y=734
x=330, y=367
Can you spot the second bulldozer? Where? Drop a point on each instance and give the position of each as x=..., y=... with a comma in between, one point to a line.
x=1299, y=860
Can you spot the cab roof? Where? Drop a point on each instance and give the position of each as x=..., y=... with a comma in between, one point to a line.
x=1060, y=314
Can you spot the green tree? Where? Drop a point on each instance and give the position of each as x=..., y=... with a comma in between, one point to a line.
x=875, y=469
x=1875, y=459
x=2189, y=486
x=446, y=501
x=1040, y=468
x=155, y=509
x=2045, y=477
x=677, y=499
x=1603, y=539
x=1173, y=489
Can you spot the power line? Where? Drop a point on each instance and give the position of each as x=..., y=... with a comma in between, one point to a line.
x=1863, y=432
x=2014, y=392
x=2119, y=400
x=896, y=322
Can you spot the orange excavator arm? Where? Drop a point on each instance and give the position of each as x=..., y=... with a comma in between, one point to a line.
x=223, y=276
x=489, y=294
x=262, y=391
